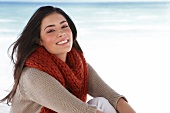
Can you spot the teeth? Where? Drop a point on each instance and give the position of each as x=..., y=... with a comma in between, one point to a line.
x=62, y=42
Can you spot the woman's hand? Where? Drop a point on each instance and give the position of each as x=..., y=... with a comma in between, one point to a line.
x=124, y=107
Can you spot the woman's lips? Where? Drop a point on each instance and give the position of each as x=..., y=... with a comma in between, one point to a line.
x=62, y=42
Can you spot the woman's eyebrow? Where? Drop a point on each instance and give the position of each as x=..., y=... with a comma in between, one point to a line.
x=49, y=26
x=54, y=25
x=63, y=21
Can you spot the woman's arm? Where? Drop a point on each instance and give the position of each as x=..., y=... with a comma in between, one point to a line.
x=43, y=89
x=97, y=87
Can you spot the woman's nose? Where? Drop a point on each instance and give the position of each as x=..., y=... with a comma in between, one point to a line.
x=61, y=34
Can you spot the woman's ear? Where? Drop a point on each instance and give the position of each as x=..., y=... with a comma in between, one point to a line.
x=40, y=43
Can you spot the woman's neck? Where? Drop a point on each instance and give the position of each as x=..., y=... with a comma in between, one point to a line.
x=62, y=57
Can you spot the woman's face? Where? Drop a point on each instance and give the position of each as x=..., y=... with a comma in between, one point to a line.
x=56, y=35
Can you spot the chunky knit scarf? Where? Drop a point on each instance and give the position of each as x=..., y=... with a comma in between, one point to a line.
x=72, y=74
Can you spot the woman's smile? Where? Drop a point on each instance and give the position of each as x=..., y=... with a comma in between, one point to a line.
x=63, y=42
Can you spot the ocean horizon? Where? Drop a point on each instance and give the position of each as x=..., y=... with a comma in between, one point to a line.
x=127, y=43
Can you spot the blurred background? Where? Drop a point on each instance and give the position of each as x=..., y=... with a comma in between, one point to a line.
x=126, y=42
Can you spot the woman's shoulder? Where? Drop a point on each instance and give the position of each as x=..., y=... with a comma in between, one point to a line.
x=89, y=66
x=91, y=70
x=30, y=75
x=27, y=71
x=32, y=78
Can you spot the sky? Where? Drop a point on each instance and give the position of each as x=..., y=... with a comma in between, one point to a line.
x=84, y=0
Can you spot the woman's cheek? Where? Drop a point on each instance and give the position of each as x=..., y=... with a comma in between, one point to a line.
x=50, y=39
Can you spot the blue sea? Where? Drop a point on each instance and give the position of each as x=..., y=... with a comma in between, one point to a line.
x=128, y=43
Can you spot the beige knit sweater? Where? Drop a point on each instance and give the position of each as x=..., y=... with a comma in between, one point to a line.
x=36, y=89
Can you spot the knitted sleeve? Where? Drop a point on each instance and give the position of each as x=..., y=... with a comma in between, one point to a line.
x=98, y=88
x=43, y=89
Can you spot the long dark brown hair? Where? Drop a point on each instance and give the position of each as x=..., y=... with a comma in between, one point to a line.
x=29, y=40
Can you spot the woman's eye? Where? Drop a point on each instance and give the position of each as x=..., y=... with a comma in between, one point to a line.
x=65, y=26
x=51, y=30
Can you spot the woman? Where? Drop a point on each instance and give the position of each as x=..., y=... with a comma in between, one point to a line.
x=51, y=74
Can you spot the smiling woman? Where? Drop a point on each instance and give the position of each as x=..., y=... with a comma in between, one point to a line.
x=51, y=74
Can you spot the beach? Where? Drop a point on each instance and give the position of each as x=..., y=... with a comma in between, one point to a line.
x=128, y=44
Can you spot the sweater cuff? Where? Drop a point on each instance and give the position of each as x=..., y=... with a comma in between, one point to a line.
x=91, y=109
x=114, y=101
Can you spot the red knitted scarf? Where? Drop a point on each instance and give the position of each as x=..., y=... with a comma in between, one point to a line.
x=72, y=74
